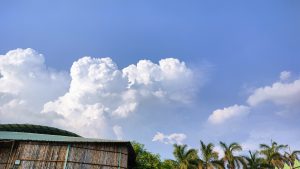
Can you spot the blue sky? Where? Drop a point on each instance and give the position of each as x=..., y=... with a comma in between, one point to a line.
x=233, y=48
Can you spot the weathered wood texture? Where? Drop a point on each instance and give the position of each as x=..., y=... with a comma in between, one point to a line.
x=42, y=155
x=5, y=148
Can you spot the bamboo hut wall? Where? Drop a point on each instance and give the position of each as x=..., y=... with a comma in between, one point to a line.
x=37, y=155
x=93, y=155
x=5, y=149
x=43, y=155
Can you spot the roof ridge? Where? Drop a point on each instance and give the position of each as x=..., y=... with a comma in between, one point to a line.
x=39, y=129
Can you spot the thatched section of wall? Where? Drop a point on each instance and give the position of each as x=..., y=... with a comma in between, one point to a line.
x=51, y=155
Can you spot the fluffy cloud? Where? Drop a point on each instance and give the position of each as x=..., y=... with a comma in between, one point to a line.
x=221, y=115
x=23, y=73
x=169, y=79
x=175, y=138
x=285, y=75
x=93, y=97
x=26, y=84
x=96, y=88
x=279, y=93
x=100, y=92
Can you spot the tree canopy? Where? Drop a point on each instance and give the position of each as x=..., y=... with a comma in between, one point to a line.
x=206, y=157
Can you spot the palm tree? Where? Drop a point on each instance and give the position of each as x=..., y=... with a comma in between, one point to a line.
x=186, y=158
x=290, y=158
x=230, y=158
x=254, y=161
x=209, y=157
x=272, y=154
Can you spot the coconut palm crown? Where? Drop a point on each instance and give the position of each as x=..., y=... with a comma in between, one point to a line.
x=233, y=161
x=272, y=155
x=209, y=158
x=253, y=161
x=185, y=158
x=290, y=158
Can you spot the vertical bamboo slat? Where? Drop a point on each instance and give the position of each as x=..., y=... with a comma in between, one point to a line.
x=50, y=155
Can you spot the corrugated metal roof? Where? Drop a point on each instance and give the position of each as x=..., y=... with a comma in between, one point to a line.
x=31, y=128
x=7, y=135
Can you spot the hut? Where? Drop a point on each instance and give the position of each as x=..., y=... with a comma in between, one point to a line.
x=25, y=146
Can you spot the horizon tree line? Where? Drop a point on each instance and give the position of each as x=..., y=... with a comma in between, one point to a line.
x=273, y=156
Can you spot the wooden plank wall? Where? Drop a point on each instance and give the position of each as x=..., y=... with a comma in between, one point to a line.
x=42, y=155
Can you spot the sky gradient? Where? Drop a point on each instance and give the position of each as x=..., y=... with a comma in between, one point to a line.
x=232, y=73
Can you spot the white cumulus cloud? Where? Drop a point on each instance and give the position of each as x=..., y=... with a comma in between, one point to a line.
x=170, y=79
x=175, y=138
x=93, y=97
x=26, y=83
x=285, y=75
x=222, y=115
x=99, y=91
x=279, y=93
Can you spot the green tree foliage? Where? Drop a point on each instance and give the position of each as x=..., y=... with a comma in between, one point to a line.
x=144, y=158
x=185, y=158
x=272, y=155
x=290, y=158
x=253, y=161
x=169, y=164
x=268, y=157
x=209, y=158
x=233, y=161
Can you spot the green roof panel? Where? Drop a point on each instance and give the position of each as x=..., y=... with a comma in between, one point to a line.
x=39, y=129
